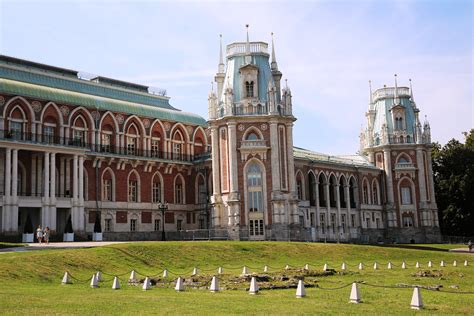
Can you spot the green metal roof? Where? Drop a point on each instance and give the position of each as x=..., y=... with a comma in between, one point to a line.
x=92, y=101
x=352, y=161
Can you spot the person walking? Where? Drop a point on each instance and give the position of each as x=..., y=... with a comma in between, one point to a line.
x=39, y=234
x=46, y=235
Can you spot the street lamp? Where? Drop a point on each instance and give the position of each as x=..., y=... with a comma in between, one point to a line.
x=163, y=207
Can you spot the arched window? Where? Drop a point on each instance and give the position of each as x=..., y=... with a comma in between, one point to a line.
x=352, y=192
x=322, y=193
x=201, y=190
x=365, y=192
x=408, y=139
x=79, y=131
x=332, y=191
x=254, y=188
x=342, y=194
x=312, y=189
x=178, y=142
x=299, y=186
x=399, y=123
x=375, y=192
x=252, y=136
x=156, y=189
x=405, y=192
x=132, y=140
x=108, y=186
x=133, y=187
x=179, y=190
x=249, y=89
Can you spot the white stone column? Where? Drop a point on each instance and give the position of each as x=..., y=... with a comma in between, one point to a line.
x=290, y=159
x=33, y=131
x=8, y=173
x=327, y=187
x=388, y=171
x=53, y=177
x=338, y=215
x=14, y=175
x=275, y=162
x=75, y=179
x=81, y=179
x=216, y=186
x=68, y=176
x=33, y=175
x=46, y=182
x=234, y=187
x=39, y=175
x=61, y=176
x=421, y=177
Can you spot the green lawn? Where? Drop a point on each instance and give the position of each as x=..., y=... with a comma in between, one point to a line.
x=30, y=281
x=10, y=245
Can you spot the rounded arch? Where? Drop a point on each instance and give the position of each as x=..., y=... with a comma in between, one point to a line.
x=108, y=172
x=58, y=112
x=403, y=158
x=20, y=100
x=134, y=118
x=133, y=175
x=179, y=186
x=157, y=196
x=114, y=120
x=181, y=127
x=252, y=129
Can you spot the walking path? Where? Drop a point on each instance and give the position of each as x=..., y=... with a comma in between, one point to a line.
x=466, y=250
x=61, y=245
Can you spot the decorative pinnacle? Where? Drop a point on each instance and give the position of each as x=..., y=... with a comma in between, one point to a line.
x=411, y=92
x=397, y=101
x=370, y=92
x=221, y=60
x=273, y=51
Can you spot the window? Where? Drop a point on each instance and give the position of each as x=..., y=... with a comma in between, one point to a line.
x=105, y=141
x=202, y=194
x=299, y=188
x=16, y=129
x=178, y=191
x=48, y=134
x=79, y=137
x=155, y=148
x=202, y=222
x=408, y=139
x=108, y=225
x=256, y=227
x=177, y=151
x=132, y=145
x=407, y=221
x=399, y=123
x=312, y=217
x=322, y=223
x=157, y=226
x=333, y=222
x=353, y=220
x=365, y=193
x=132, y=191
x=133, y=225
x=179, y=224
x=156, y=192
x=367, y=222
x=375, y=193
x=312, y=191
x=107, y=187
x=406, y=195
x=252, y=136
x=249, y=89
x=377, y=222
x=254, y=188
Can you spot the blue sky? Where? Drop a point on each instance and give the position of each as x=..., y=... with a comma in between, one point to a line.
x=328, y=50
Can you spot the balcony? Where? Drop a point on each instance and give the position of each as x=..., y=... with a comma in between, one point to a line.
x=241, y=48
x=253, y=147
x=107, y=150
x=390, y=93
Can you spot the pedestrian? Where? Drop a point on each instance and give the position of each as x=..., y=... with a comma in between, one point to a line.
x=39, y=234
x=46, y=235
x=469, y=245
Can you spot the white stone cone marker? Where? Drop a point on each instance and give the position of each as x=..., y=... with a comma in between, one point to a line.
x=94, y=283
x=253, y=286
x=354, y=297
x=343, y=266
x=455, y=263
x=361, y=266
x=376, y=266
x=300, y=290
x=165, y=273
x=306, y=266
x=466, y=263
x=430, y=264
x=265, y=269
x=442, y=264
x=219, y=270
x=133, y=277
x=146, y=284
x=287, y=267
x=417, y=265
x=404, y=265
x=214, y=285
x=179, y=285
x=325, y=267
x=195, y=272
x=389, y=265
x=98, y=276
x=416, y=301
x=116, y=284
x=245, y=270
x=66, y=279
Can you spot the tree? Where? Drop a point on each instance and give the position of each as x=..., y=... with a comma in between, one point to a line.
x=453, y=169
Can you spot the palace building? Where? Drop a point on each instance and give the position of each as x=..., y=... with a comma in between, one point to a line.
x=90, y=149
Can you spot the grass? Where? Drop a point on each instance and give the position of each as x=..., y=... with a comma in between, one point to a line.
x=30, y=281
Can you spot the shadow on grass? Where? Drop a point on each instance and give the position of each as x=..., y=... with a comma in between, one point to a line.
x=414, y=247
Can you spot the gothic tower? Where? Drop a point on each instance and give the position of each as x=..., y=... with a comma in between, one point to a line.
x=395, y=141
x=251, y=125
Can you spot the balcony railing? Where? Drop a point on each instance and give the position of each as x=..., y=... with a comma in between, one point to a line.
x=26, y=137
x=405, y=165
x=253, y=143
x=241, y=48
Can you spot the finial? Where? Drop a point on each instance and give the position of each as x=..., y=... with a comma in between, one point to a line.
x=397, y=100
x=221, y=59
x=370, y=92
x=411, y=92
x=274, y=65
x=248, y=42
x=286, y=84
x=248, y=58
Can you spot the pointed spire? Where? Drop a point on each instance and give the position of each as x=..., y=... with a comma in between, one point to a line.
x=371, y=101
x=411, y=93
x=221, y=59
x=274, y=65
x=248, y=58
x=396, y=99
